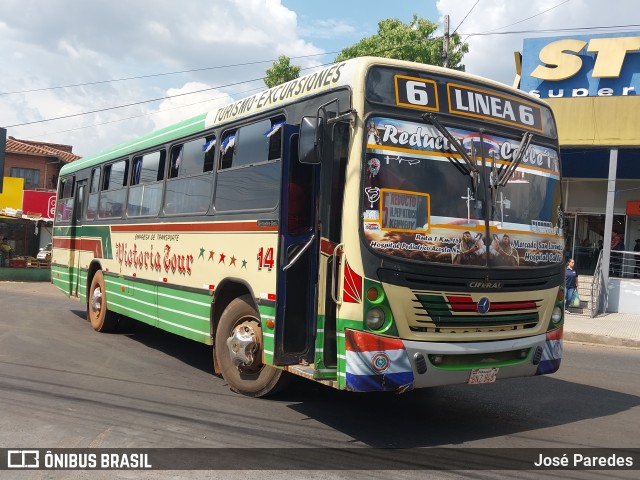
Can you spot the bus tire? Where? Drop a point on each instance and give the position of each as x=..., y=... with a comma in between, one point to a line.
x=238, y=350
x=101, y=319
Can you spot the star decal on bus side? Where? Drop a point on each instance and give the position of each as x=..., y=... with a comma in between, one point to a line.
x=201, y=253
x=222, y=257
x=211, y=254
x=244, y=264
x=233, y=261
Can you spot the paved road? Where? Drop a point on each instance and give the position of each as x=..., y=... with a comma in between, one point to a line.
x=62, y=385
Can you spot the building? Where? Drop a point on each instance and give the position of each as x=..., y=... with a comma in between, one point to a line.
x=592, y=83
x=27, y=199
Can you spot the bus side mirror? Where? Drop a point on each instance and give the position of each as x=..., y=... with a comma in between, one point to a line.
x=309, y=142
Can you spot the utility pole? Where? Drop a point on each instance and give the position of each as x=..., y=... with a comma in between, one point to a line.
x=445, y=53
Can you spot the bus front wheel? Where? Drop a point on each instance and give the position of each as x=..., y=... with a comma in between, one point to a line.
x=238, y=349
x=102, y=320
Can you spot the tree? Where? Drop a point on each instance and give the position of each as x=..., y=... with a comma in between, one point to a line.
x=281, y=71
x=411, y=41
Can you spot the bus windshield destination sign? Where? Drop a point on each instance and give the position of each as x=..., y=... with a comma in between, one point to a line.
x=416, y=93
x=491, y=106
x=422, y=94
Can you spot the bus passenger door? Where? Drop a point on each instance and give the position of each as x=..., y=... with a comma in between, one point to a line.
x=64, y=237
x=76, y=237
x=296, y=290
x=331, y=209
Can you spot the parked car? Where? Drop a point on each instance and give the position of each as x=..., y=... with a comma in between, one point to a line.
x=44, y=255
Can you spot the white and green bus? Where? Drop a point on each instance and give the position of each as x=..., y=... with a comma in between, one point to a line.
x=375, y=225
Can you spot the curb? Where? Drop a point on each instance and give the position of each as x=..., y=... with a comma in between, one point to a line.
x=581, y=337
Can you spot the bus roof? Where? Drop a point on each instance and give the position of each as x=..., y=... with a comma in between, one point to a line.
x=186, y=127
x=336, y=75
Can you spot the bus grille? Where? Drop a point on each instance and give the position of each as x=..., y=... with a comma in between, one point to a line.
x=437, y=312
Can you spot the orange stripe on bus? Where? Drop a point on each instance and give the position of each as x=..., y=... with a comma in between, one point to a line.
x=196, y=227
x=84, y=244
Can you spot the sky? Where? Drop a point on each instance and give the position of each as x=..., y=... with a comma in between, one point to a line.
x=164, y=61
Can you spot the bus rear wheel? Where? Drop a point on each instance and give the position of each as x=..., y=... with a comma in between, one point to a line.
x=102, y=320
x=238, y=349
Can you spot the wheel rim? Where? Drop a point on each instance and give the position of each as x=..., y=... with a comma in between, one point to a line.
x=244, y=346
x=96, y=301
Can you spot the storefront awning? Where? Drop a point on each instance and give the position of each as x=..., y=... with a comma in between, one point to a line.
x=597, y=121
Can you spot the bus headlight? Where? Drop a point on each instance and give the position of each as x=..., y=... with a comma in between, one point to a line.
x=556, y=315
x=375, y=318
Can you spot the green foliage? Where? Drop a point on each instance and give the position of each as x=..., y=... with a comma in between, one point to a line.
x=281, y=71
x=413, y=41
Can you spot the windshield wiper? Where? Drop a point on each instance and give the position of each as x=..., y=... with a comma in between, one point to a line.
x=505, y=173
x=468, y=167
x=500, y=177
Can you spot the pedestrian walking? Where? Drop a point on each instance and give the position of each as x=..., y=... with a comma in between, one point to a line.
x=571, y=283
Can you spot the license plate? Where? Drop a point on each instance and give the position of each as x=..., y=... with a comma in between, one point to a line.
x=483, y=375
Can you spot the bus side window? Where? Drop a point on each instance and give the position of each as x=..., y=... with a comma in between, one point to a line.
x=94, y=192
x=274, y=134
x=114, y=191
x=249, y=171
x=145, y=192
x=190, y=177
x=254, y=143
x=227, y=150
x=64, y=203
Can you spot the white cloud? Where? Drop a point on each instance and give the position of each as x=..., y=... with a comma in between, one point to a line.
x=326, y=28
x=183, y=106
x=58, y=42
x=53, y=43
x=492, y=55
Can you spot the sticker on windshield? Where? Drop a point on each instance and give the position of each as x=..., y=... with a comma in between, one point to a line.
x=404, y=211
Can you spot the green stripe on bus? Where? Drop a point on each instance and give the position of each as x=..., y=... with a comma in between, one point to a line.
x=184, y=313
x=267, y=312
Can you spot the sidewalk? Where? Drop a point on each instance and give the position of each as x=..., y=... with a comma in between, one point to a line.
x=616, y=329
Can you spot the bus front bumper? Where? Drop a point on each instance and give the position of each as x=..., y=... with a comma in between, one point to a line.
x=376, y=363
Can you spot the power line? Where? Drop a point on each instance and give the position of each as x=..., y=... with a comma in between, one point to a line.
x=152, y=75
x=511, y=24
x=525, y=19
x=552, y=30
x=98, y=82
x=63, y=117
x=548, y=30
x=218, y=67
x=129, y=104
x=201, y=102
x=465, y=17
x=493, y=32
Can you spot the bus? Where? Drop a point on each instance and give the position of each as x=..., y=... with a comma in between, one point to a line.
x=377, y=225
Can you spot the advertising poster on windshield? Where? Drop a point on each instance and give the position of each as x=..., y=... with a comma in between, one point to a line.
x=421, y=201
x=404, y=211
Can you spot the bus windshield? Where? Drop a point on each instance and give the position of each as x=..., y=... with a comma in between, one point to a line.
x=421, y=202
